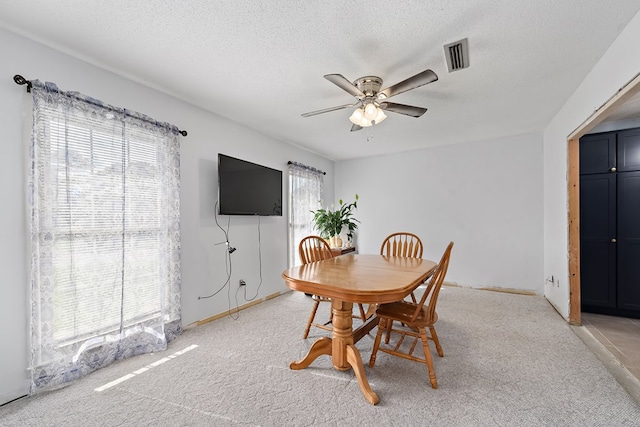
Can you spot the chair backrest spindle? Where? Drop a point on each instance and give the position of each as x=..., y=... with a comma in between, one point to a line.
x=314, y=248
x=402, y=244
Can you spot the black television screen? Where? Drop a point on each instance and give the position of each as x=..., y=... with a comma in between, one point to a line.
x=246, y=188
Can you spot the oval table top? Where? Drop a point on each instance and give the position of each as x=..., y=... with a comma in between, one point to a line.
x=361, y=278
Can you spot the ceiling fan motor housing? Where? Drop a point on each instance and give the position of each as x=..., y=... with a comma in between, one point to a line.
x=369, y=85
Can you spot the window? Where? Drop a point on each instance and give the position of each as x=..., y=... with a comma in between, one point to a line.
x=306, y=193
x=105, y=237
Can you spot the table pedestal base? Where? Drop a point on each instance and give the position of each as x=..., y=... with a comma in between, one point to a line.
x=344, y=354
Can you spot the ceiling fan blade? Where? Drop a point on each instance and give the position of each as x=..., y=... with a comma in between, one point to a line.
x=355, y=128
x=420, y=79
x=340, y=81
x=326, y=110
x=407, y=110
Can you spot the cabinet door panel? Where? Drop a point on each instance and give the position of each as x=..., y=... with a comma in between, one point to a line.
x=597, y=153
x=629, y=240
x=629, y=150
x=597, y=228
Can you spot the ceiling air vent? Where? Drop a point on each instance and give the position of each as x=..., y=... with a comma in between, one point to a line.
x=457, y=55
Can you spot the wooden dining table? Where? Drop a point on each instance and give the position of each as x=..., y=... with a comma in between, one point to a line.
x=349, y=279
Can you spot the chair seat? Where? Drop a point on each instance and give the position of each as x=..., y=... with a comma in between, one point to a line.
x=403, y=311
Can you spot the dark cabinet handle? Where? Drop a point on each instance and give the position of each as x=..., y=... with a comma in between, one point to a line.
x=613, y=169
x=613, y=240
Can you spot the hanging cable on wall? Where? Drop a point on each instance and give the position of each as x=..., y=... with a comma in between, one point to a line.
x=259, y=267
x=228, y=264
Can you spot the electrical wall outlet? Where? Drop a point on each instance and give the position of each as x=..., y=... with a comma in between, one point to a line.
x=242, y=282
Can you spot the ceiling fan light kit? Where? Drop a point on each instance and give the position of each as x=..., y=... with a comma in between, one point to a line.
x=369, y=97
x=367, y=115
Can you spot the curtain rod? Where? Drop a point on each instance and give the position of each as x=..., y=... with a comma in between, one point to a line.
x=306, y=167
x=22, y=81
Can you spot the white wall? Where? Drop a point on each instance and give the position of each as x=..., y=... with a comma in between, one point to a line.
x=203, y=263
x=617, y=66
x=486, y=196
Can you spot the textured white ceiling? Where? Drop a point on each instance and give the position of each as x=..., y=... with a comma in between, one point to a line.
x=261, y=63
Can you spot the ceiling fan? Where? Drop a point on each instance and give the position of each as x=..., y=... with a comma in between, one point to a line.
x=372, y=102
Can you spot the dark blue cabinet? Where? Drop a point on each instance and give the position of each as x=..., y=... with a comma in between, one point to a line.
x=598, y=153
x=628, y=152
x=610, y=223
x=628, y=243
x=597, y=232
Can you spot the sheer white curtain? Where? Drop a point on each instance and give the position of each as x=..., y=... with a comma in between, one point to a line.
x=104, y=215
x=306, y=193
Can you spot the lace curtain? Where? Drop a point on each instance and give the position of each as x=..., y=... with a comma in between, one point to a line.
x=104, y=215
x=306, y=193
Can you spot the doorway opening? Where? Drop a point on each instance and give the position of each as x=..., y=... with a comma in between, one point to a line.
x=573, y=194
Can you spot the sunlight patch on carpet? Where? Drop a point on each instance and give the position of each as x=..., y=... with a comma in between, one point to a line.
x=145, y=369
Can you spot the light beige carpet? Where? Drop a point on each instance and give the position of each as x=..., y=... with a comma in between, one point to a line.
x=510, y=360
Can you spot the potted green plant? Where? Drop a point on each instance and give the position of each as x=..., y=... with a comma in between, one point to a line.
x=329, y=223
x=347, y=218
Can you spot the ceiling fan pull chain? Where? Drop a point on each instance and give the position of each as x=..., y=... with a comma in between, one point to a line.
x=370, y=136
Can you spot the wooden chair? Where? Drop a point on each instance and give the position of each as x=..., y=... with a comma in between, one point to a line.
x=402, y=244
x=417, y=318
x=312, y=249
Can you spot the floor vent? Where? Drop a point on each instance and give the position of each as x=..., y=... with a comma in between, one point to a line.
x=457, y=55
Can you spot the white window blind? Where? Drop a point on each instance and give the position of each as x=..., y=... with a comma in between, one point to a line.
x=94, y=219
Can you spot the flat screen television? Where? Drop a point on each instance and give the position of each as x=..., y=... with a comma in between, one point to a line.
x=246, y=188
